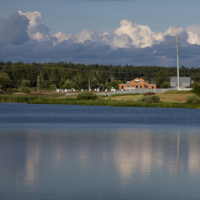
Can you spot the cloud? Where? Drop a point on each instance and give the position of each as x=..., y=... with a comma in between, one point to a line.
x=141, y=35
x=78, y=37
x=13, y=30
x=36, y=30
x=23, y=37
x=193, y=34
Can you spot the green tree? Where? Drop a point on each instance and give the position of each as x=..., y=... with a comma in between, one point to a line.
x=26, y=89
x=4, y=80
x=114, y=84
x=163, y=76
x=1, y=91
x=25, y=83
x=70, y=84
x=52, y=87
x=166, y=85
x=196, y=88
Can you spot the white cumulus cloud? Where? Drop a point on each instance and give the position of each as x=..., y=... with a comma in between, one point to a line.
x=36, y=30
x=141, y=36
x=193, y=32
x=78, y=37
x=130, y=43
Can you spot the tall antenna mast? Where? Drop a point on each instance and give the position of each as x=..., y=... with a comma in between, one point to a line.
x=38, y=78
x=177, y=51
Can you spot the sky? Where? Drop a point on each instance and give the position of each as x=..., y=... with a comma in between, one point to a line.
x=117, y=32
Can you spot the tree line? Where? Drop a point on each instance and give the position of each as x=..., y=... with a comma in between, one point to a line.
x=18, y=76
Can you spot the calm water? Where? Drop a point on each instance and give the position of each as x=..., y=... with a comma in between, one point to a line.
x=88, y=152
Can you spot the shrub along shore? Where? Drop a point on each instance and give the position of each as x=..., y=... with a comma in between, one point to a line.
x=96, y=102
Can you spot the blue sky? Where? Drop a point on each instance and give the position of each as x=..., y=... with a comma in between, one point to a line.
x=132, y=29
x=76, y=15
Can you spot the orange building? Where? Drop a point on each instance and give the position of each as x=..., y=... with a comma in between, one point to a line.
x=137, y=83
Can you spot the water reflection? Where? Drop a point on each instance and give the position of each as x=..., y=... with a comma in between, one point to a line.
x=194, y=154
x=178, y=152
x=133, y=153
x=97, y=159
x=33, y=150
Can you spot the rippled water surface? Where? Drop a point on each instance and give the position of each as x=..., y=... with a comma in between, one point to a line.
x=88, y=152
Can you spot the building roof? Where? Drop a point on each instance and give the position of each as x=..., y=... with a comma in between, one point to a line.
x=183, y=81
x=138, y=80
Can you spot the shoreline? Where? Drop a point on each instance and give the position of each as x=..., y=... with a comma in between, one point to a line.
x=64, y=101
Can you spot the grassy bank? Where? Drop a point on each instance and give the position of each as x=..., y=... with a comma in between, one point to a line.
x=99, y=102
x=164, y=97
x=17, y=99
x=113, y=103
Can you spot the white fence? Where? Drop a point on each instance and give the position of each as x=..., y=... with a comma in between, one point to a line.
x=139, y=90
x=142, y=91
x=65, y=90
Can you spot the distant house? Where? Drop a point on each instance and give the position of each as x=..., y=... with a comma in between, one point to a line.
x=184, y=82
x=136, y=83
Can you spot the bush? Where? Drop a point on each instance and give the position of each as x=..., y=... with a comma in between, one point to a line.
x=14, y=90
x=193, y=99
x=25, y=83
x=52, y=87
x=4, y=80
x=86, y=96
x=19, y=89
x=70, y=84
x=109, y=87
x=9, y=89
x=34, y=89
x=1, y=91
x=114, y=84
x=166, y=85
x=196, y=88
x=149, y=99
x=26, y=89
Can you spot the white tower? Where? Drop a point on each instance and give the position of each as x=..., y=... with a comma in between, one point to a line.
x=177, y=51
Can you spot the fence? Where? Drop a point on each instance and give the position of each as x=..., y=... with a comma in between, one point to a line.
x=141, y=91
x=65, y=90
x=135, y=91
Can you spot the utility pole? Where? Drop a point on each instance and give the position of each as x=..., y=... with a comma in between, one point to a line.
x=177, y=52
x=38, y=78
x=89, y=84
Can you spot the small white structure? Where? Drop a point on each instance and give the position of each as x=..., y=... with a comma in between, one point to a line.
x=81, y=90
x=113, y=89
x=105, y=90
x=65, y=90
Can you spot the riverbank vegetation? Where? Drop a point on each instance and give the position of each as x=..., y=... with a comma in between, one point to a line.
x=86, y=96
x=171, y=96
x=193, y=99
x=100, y=101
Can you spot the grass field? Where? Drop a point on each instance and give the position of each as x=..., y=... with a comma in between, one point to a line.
x=165, y=97
x=168, y=100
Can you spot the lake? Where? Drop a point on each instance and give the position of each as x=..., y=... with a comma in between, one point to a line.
x=71, y=152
